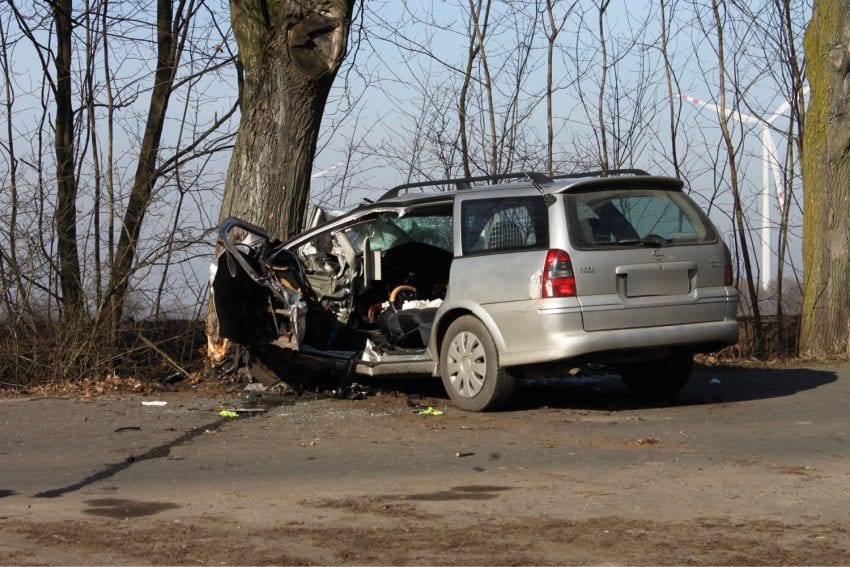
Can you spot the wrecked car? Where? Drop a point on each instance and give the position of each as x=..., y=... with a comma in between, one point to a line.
x=482, y=281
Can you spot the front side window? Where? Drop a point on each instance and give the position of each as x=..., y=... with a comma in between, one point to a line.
x=628, y=217
x=492, y=225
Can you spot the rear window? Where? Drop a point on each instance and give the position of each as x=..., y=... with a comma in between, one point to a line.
x=493, y=225
x=628, y=217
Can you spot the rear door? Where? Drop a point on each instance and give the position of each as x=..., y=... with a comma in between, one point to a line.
x=644, y=256
x=501, y=244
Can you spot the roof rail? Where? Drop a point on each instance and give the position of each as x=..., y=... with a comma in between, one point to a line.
x=462, y=183
x=600, y=173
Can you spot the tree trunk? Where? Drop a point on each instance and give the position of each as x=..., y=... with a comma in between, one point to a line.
x=758, y=328
x=825, y=329
x=66, y=183
x=474, y=46
x=289, y=52
x=146, y=174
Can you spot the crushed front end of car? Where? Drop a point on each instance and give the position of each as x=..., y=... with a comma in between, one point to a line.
x=262, y=298
x=256, y=289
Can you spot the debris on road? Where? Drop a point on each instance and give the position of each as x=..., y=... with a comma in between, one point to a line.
x=430, y=411
x=228, y=413
x=249, y=411
x=645, y=441
x=155, y=403
x=353, y=392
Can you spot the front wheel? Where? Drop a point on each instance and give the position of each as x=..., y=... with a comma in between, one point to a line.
x=469, y=365
x=658, y=378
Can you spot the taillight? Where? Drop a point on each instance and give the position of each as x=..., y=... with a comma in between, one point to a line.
x=558, y=277
x=728, y=276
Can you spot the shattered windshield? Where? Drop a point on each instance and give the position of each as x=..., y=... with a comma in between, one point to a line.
x=389, y=230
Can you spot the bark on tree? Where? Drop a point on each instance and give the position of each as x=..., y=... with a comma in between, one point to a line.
x=168, y=25
x=66, y=180
x=825, y=332
x=289, y=52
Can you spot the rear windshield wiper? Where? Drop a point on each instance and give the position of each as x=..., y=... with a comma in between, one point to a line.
x=651, y=241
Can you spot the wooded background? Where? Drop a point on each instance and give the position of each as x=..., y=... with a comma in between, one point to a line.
x=121, y=120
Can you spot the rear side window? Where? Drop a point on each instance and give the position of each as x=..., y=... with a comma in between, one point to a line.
x=627, y=217
x=492, y=225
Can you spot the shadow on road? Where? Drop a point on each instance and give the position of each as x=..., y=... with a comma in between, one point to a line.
x=606, y=391
x=730, y=385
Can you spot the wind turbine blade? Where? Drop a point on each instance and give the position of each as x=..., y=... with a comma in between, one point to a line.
x=739, y=116
x=324, y=171
x=783, y=108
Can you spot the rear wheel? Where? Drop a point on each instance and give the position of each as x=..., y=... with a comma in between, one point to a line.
x=469, y=365
x=658, y=378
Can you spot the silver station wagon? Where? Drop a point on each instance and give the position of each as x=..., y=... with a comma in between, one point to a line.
x=482, y=281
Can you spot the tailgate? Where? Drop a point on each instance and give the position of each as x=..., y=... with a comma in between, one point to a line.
x=619, y=291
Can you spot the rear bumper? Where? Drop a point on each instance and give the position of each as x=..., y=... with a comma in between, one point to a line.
x=573, y=344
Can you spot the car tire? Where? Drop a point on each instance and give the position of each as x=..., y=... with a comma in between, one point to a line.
x=658, y=378
x=469, y=365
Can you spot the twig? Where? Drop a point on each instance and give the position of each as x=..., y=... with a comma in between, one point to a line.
x=167, y=358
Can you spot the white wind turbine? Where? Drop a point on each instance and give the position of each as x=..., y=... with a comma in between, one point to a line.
x=769, y=168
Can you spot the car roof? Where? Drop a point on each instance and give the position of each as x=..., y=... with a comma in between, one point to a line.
x=525, y=183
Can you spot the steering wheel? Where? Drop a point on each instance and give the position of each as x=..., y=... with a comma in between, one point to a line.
x=400, y=294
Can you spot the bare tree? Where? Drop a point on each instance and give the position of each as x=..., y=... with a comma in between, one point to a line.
x=602, y=7
x=66, y=182
x=554, y=28
x=479, y=24
x=671, y=80
x=171, y=29
x=725, y=114
x=779, y=36
x=61, y=248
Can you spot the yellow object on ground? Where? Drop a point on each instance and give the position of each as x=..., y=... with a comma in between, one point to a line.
x=431, y=411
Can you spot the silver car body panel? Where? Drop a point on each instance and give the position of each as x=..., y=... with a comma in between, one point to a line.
x=631, y=295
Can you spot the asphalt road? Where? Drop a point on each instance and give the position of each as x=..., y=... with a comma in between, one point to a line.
x=745, y=466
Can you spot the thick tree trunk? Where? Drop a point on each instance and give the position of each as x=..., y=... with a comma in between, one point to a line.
x=289, y=52
x=825, y=329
